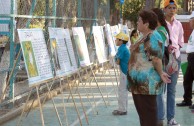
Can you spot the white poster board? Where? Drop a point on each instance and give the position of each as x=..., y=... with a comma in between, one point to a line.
x=61, y=52
x=99, y=43
x=70, y=50
x=36, y=57
x=114, y=30
x=110, y=40
x=81, y=46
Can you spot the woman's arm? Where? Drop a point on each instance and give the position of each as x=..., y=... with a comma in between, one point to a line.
x=157, y=63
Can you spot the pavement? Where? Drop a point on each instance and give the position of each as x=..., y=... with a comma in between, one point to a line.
x=98, y=112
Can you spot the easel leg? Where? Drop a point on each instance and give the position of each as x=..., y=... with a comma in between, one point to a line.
x=115, y=74
x=29, y=94
x=78, y=114
x=98, y=86
x=54, y=106
x=103, y=73
x=87, y=94
x=81, y=101
x=107, y=67
x=40, y=106
x=91, y=90
x=63, y=98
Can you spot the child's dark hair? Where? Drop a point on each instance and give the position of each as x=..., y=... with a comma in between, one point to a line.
x=133, y=32
x=124, y=42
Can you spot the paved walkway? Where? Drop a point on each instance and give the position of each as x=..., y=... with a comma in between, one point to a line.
x=101, y=115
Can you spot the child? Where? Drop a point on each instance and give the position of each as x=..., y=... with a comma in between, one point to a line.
x=134, y=36
x=121, y=59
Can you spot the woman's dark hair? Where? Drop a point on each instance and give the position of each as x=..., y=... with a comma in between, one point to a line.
x=133, y=32
x=161, y=19
x=149, y=17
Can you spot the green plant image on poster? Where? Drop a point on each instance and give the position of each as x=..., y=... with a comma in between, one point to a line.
x=29, y=59
x=54, y=51
x=79, y=48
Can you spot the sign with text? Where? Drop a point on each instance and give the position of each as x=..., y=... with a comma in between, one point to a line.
x=99, y=43
x=36, y=57
x=81, y=46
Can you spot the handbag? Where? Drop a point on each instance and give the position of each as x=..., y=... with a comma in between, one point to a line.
x=172, y=65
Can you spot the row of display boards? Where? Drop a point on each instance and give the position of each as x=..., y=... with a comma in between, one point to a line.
x=37, y=59
x=62, y=61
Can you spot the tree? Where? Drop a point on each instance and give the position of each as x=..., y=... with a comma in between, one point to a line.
x=149, y=4
x=131, y=10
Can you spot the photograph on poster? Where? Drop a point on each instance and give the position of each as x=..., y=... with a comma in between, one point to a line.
x=54, y=51
x=68, y=52
x=30, y=59
x=79, y=47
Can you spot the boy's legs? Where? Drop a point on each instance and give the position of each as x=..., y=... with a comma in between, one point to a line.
x=122, y=93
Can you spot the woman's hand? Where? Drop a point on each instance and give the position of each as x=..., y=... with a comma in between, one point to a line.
x=165, y=77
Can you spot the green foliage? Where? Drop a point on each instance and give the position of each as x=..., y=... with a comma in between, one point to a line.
x=131, y=10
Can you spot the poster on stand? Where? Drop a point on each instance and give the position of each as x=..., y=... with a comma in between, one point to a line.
x=36, y=57
x=115, y=30
x=111, y=42
x=99, y=43
x=70, y=50
x=60, y=54
x=81, y=46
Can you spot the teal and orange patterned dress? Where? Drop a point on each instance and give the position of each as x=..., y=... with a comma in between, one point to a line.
x=142, y=76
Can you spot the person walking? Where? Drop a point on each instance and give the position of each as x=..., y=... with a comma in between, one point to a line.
x=176, y=36
x=189, y=75
x=145, y=74
x=122, y=59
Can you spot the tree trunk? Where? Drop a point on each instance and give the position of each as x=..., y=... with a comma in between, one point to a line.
x=185, y=6
x=149, y=4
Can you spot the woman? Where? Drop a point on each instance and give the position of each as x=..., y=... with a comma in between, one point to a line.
x=134, y=36
x=162, y=29
x=145, y=74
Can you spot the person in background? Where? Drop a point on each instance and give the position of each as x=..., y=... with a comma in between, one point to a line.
x=122, y=59
x=177, y=39
x=145, y=74
x=164, y=32
x=134, y=36
x=189, y=75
